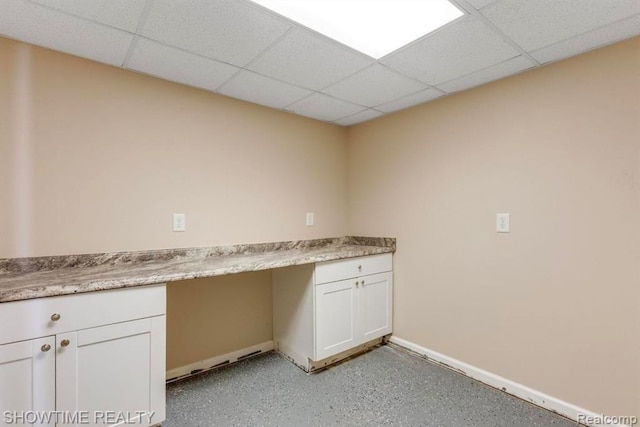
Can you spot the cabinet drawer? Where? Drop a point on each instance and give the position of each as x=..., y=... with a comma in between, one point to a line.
x=22, y=320
x=342, y=269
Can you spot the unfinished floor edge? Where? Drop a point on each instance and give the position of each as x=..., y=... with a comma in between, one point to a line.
x=183, y=372
x=535, y=397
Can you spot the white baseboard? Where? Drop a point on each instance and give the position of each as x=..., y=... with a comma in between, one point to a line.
x=538, y=398
x=225, y=359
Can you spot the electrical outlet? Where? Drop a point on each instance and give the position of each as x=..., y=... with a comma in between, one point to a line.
x=502, y=223
x=310, y=219
x=179, y=222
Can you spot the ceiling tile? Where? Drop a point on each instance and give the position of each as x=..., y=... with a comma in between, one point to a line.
x=456, y=50
x=311, y=61
x=359, y=118
x=49, y=28
x=179, y=66
x=618, y=31
x=534, y=24
x=227, y=30
x=374, y=86
x=411, y=100
x=495, y=72
x=123, y=14
x=479, y=4
x=323, y=107
x=262, y=90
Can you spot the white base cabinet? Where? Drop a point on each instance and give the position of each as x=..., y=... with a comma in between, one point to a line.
x=83, y=371
x=351, y=312
x=326, y=310
x=27, y=379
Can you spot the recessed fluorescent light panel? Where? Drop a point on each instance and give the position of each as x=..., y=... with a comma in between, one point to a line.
x=374, y=27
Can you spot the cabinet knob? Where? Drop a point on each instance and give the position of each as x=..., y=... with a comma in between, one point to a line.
x=363, y=282
x=359, y=268
x=64, y=343
x=45, y=348
x=357, y=283
x=55, y=317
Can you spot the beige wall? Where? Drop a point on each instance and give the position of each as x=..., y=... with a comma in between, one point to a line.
x=229, y=313
x=554, y=304
x=95, y=158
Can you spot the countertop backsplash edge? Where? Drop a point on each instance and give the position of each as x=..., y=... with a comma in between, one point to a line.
x=64, y=275
x=53, y=262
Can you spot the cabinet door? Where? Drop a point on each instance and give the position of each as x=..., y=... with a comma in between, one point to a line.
x=27, y=382
x=336, y=314
x=113, y=373
x=375, y=302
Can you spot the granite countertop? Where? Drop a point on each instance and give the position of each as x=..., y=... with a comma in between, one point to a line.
x=28, y=278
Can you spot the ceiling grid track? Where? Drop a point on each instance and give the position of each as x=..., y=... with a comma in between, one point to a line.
x=478, y=15
x=139, y=28
x=244, y=68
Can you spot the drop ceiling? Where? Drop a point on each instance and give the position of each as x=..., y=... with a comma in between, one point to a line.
x=239, y=49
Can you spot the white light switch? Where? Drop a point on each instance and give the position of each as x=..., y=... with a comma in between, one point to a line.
x=179, y=222
x=310, y=220
x=502, y=223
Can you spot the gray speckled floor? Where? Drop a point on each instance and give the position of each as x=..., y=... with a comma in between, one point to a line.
x=385, y=386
